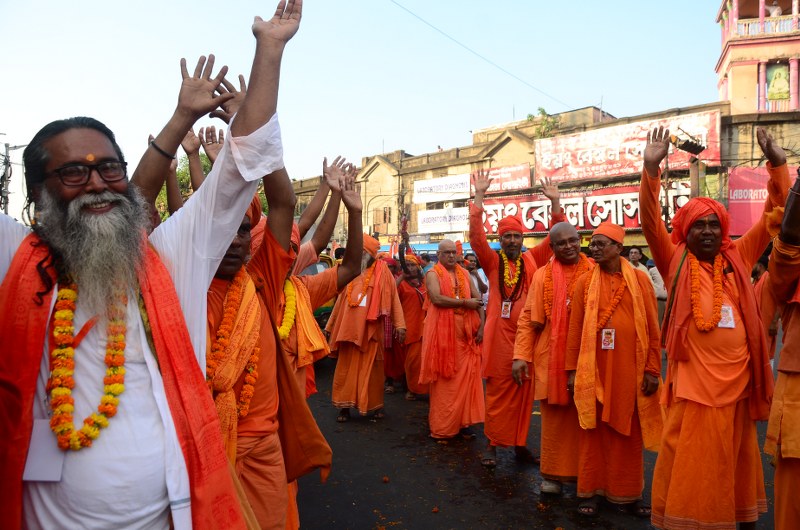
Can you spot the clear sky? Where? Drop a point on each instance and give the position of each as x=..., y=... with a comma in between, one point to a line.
x=361, y=77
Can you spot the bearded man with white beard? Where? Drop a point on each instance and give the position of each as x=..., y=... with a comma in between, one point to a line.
x=99, y=321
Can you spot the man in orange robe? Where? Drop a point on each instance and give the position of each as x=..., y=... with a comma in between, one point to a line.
x=767, y=304
x=412, y=292
x=451, y=356
x=782, y=441
x=719, y=380
x=541, y=341
x=356, y=331
x=614, y=359
x=508, y=405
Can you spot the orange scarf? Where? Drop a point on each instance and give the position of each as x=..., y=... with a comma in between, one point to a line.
x=244, y=337
x=311, y=343
x=677, y=322
x=557, y=393
x=588, y=385
x=439, y=333
x=23, y=325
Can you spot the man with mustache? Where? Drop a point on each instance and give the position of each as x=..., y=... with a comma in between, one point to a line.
x=124, y=341
x=719, y=380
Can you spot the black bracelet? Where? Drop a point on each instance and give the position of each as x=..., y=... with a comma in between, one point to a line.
x=155, y=146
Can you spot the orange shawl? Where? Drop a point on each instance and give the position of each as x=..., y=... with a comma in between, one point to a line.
x=589, y=386
x=23, y=325
x=243, y=339
x=439, y=334
x=557, y=393
x=311, y=343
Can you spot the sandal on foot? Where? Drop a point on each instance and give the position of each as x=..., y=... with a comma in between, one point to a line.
x=344, y=415
x=467, y=434
x=550, y=486
x=388, y=389
x=524, y=456
x=489, y=458
x=589, y=507
x=411, y=396
x=379, y=414
x=635, y=508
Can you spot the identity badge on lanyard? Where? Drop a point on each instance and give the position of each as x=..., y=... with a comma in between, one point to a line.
x=505, y=309
x=45, y=458
x=607, y=339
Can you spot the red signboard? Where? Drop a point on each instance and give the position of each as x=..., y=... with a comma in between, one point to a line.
x=585, y=209
x=617, y=150
x=508, y=178
x=747, y=191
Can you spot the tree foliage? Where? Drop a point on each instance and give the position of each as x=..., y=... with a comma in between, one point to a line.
x=546, y=124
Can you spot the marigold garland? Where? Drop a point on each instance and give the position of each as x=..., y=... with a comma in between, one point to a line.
x=233, y=299
x=507, y=279
x=364, y=287
x=62, y=369
x=716, y=312
x=603, y=318
x=289, y=309
x=583, y=266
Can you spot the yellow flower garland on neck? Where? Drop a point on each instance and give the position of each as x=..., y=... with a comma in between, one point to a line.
x=364, y=286
x=716, y=312
x=62, y=369
x=507, y=279
x=583, y=266
x=289, y=309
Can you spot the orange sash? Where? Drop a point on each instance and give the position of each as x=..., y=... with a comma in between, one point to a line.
x=311, y=343
x=23, y=325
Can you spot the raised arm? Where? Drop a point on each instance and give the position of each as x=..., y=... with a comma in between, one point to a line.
x=191, y=146
x=784, y=263
x=332, y=175
x=542, y=252
x=196, y=98
x=655, y=232
x=211, y=141
x=477, y=235
x=351, y=262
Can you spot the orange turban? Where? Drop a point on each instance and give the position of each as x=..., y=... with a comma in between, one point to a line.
x=258, y=223
x=510, y=224
x=371, y=245
x=611, y=231
x=694, y=210
x=459, y=248
x=254, y=211
x=411, y=258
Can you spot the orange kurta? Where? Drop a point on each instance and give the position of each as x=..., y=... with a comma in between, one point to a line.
x=783, y=442
x=768, y=306
x=451, y=362
x=357, y=334
x=623, y=420
x=508, y=405
x=534, y=344
x=412, y=299
x=259, y=460
x=719, y=374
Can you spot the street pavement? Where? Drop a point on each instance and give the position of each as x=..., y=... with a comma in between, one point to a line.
x=389, y=474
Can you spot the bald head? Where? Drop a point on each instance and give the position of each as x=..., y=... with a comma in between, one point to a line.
x=565, y=242
x=447, y=253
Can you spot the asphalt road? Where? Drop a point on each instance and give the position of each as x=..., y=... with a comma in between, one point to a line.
x=388, y=474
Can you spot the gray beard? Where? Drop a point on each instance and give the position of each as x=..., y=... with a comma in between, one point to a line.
x=100, y=252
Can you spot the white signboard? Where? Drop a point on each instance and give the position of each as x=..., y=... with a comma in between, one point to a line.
x=447, y=220
x=451, y=187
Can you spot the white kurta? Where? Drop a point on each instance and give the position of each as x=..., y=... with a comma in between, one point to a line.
x=134, y=475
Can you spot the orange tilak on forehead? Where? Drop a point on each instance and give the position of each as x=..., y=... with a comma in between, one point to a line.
x=90, y=157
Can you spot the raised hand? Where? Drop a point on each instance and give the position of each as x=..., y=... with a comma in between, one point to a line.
x=770, y=148
x=191, y=143
x=211, y=141
x=335, y=173
x=283, y=24
x=229, y=108
x=549, y=189
x=482, y=181
x=351, y=192
x=656, y=150
x=197, y=95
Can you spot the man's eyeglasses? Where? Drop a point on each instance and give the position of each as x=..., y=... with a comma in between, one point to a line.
x=78, y=174
x=564, y=243
x=600, y=245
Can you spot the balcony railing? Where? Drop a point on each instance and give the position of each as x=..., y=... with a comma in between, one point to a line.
x=751, y=27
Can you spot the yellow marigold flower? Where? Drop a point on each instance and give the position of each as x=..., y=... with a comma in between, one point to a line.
x=115, y=389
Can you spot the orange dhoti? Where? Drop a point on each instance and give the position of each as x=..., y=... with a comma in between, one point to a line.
x=611, y=464
x=260, y=468
x=783, y=442
x=412, y=366
x=508, y=411
x=721, y=487
x=358, y=379
x=560, y=442
x=457, y=401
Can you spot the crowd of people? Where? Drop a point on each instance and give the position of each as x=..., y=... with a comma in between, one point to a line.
x=188, y=346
